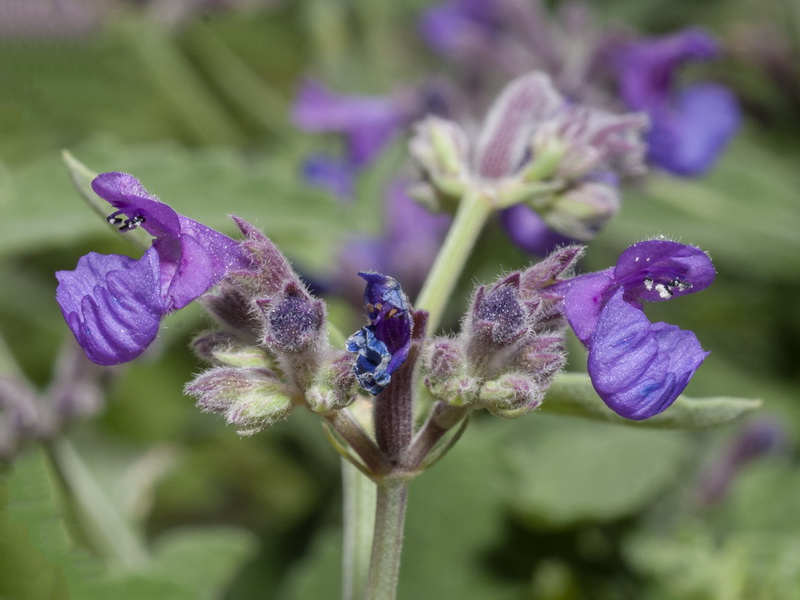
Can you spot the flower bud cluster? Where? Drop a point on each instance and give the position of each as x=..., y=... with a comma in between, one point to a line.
x=511, y=343
x=272, y=351
x=76, y=391
x=538, y=149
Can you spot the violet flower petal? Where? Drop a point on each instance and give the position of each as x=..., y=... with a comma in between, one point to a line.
x=657, y=270
x=639, y=368
x=584, y=299
x=207, y=255
x=335, y=175
x=449, y=27
x=192, y=257
x=368, y=122
x=647, y=67
x=528, y=231
x=689, y=128
x=385, y=343
x=687, y=139
x=112, y=305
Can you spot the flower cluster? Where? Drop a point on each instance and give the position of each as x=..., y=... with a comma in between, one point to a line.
x=607, y=70
x=537, y=150
x=270, y=351
x=511, y=344
x=690, y=126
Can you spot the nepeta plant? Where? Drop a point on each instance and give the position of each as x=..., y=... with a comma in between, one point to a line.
x=273, y=350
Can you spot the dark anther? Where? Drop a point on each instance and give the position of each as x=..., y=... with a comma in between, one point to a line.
x=680, y=284
x=132, y=223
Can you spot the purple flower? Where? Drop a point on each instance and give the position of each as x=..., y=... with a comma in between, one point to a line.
x=528, y=231
x=452, y=26
x=367, y=122
x=637, y=367
x=384, y=344
x=690, y=127
x=406, y=247
x=333, y=174
x=114, y=304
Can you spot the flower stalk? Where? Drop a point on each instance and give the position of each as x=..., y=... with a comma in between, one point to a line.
x=387, y=543
x=473, y=211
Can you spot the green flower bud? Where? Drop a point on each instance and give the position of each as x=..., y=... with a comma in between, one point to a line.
x=512, y=394
x=582, y=211
x=440, y=148
x=444, y=367
x=250, y=399
x=335, y=386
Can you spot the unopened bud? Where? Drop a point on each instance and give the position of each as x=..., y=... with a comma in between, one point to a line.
x=557, y=265
x=582, y=211
x=512, y=394
x=496, y=316
x=440, y=148
x=231, y=308
x=335, y=386
x=270, y=272
x=250, y=399
x=444, y=367
x=543, y=357
x=519, y=110
x=223, y=348
x=586, y=140
x=295, y=321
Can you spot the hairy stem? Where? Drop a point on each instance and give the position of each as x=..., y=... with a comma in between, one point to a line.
x=387, y=543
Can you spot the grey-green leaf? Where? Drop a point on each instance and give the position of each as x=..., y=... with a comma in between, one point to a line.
x=572, y=394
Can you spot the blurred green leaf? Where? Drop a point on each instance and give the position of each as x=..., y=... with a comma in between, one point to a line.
x=561, y=472
x=693, y=563
x=33, y=542
x=202, y=560
x=39, y=208
x=572, y=394
x=38, y=561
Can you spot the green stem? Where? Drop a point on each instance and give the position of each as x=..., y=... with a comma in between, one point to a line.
x=387, y=543
x=359, y=511
x=108, y=533
x=473, y=211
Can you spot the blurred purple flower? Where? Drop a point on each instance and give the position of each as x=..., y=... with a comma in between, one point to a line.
x=51, y=19
x=451, y=26
x=690, y=126
x=333, y=174
x=637, y=367
x=407, y=246
x=764, y=436
x=528, y=231
x=367, y=122
x=114, y=304
x=383, y=345
x=76, y=391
